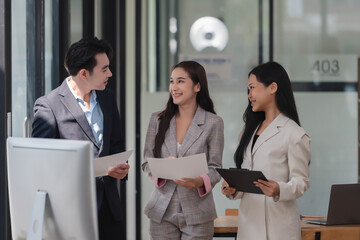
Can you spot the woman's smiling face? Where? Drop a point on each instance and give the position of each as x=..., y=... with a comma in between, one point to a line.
x=259, y=95
x=182, y=88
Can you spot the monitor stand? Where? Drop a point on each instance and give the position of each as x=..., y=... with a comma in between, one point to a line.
x=35, y=229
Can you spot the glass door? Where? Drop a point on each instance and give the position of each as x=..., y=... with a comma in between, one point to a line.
x=228, y=38
x=19, y=54
x=38, y=30
x=31, y=25
x=316, y=41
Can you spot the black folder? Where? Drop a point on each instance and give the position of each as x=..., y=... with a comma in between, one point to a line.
x=242, y=179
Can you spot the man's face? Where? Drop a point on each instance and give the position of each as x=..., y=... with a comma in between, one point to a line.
x=101, y=73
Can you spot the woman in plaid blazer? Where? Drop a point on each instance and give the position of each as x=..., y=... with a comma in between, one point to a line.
x=184, y=208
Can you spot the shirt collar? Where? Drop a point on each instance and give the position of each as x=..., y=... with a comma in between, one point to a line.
x=93, y=99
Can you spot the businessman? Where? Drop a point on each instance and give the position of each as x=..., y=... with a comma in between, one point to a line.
x=81, y=108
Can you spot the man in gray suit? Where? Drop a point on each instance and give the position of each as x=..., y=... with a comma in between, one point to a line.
x=83, y=109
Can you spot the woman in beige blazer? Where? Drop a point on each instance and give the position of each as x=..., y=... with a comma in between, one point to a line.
x=272, y=142
x=184, y=208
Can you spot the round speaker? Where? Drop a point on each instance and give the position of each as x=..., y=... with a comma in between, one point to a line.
x=209, y=32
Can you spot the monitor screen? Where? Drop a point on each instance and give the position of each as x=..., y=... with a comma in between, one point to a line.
x=62, y=168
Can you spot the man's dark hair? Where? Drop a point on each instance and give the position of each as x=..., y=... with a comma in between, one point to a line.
x=81, y=55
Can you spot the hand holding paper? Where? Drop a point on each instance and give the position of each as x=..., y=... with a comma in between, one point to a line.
x=120, y=171
x=190, y=183
x=114, y=165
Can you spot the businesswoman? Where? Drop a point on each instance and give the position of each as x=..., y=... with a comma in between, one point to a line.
x=273, y=142
x=184, y=208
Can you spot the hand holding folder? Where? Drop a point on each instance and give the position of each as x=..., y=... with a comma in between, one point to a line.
x=242, y=179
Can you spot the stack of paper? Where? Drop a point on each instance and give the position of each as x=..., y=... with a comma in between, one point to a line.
x=176, y=168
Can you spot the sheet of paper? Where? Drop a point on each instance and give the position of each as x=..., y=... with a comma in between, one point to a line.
x=176, y=168
x=103, y=164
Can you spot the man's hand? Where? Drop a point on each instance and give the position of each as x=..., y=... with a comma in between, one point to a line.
x=120, y=171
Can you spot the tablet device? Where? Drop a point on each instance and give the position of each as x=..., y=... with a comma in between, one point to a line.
x=242, y=179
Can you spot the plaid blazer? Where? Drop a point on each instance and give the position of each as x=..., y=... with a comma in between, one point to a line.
x=205, y=135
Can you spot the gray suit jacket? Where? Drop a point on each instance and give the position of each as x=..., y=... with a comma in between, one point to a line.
x=205, y=135
x=58, y=115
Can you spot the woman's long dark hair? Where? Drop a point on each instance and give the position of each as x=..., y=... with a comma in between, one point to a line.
x=267, y=73
x=198, y=75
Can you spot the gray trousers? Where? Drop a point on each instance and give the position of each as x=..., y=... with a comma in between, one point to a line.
x=173, y=225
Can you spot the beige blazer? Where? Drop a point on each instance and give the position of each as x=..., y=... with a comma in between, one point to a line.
x=282, y=153
x=205, y=135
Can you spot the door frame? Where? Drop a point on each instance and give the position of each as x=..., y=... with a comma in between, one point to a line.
x=5, y=108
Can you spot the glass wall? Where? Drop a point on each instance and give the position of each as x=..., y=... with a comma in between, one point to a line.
x=211, y=32
x=316, y=41
x=18, y=53
x=51, y=61
x=21, y=121
x=76, y=20
x=195, y=30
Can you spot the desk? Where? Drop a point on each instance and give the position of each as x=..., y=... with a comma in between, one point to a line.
x=335, y=232
x=226, y=226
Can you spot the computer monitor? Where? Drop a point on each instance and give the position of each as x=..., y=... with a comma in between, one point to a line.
x=64, y=170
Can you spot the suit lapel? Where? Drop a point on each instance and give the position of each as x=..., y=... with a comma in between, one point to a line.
x=72, y=105
x=269, y=132
x=170, y=139
x=194, y=131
